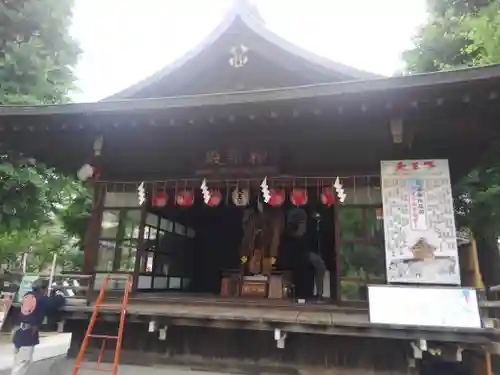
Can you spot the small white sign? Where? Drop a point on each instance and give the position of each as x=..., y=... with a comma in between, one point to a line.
x=424, y=306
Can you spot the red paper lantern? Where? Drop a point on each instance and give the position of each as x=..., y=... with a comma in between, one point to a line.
x=298, y=197
x=184, y=198
x=276, y=198
x=328, y=197
x=215, y=198
x=160, y=199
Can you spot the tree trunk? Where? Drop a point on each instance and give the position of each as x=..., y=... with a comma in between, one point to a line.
x=488, y=257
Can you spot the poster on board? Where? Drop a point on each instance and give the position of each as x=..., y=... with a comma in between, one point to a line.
x=419, y=222
x=424, y=306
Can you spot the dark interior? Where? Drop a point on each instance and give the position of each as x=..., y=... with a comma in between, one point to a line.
x=432, y=365
x=195, y=264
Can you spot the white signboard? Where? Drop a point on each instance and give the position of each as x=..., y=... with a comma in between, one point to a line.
x=424, y=306
x=419, y=223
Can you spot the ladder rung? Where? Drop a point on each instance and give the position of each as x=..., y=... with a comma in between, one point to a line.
x=110, y=306
x=103, y=337
x=118, y=278
x=95, y=369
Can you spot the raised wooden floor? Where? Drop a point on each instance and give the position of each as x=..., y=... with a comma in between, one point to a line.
x=263, y=314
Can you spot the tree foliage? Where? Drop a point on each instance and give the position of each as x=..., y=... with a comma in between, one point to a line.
x=41, y=211
x=443, y=43
x=37, y=53
x=37, y=57
x=75, y=212
x=482, y=29
x=467, y=33
x=461, y=7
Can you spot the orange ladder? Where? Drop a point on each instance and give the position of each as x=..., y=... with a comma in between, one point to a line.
x=88, y=334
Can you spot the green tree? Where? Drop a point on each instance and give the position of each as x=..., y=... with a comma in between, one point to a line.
x=30, y=194
x=37, y=52
x=442, y=43
x=41, y=245
x=482, y=29
x=461, y=33
x=477, y=205
x=441, y=7
x=37, y=60
x=75, y=211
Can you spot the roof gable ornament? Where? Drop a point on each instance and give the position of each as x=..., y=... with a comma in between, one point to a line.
x=239, y=56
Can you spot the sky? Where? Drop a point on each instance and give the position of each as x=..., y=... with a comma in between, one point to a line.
x=125, y=41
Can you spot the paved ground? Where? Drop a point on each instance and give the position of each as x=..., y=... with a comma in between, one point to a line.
x=50, y=359
x=44, y=367
x=62, y=366
x=51, y=345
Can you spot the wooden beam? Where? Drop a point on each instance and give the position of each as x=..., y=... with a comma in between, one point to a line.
x=337, y=329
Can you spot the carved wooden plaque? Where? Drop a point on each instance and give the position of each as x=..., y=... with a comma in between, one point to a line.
x=238, y=162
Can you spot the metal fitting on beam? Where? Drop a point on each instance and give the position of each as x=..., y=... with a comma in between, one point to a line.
x=60, y=326
x=397, y=129
x=163, y=333
x=279, y=337
x=418, y=348
x=152, y=326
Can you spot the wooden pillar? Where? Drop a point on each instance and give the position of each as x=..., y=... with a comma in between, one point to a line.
x=94, y=226
x=482, y=366
x=336, y=243
x=93, y=231
x=140, y=247
x=478, y=280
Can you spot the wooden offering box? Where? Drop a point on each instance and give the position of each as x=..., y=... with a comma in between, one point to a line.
x=254, y=286
x=230, y=284
x=280, y=285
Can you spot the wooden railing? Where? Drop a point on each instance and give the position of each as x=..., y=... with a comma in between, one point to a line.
x=489, y=303
x=77, y=288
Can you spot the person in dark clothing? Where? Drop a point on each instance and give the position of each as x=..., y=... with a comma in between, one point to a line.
x=302, y=242
x=35, y=306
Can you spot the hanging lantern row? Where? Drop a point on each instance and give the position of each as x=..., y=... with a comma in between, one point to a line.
x=241, y=196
